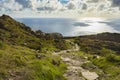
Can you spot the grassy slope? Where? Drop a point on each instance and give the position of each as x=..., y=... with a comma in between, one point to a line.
x=24, y=56
x=108, y=51
x=15, y=33
x=22, y=63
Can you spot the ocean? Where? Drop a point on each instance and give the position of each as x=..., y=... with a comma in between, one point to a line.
x=73, y=27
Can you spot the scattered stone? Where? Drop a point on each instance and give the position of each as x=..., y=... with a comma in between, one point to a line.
x=89, y=75
x=39, y=56
x=74, y=69
x=57, y=63
x=96, y=57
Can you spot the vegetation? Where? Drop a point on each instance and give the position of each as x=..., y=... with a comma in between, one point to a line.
x=24, y=55
x=110, y=67
x=22, y=63
x=27, y=55
x=96, y=46
x=15, y=33
x=103, y=53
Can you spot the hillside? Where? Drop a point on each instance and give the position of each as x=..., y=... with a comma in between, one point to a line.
x=103, y=52
x=16, y=33
x=95, y=43
x=93, y=57
x=34, y=55
x=27, y=55
x=115, y=37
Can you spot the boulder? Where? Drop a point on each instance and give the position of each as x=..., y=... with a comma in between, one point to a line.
x=39, y=33
x=53, y=36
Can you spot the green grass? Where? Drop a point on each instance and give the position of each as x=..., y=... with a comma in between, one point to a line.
x=110, y=66
x=21, y=62
x=25, y=56
x=16, y=33
x=106, y=65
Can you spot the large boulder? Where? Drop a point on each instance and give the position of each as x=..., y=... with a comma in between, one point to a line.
x=39, y=33
x=53, y=36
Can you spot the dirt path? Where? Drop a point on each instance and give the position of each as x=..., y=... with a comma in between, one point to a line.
x=74, y=69
x=76, y=72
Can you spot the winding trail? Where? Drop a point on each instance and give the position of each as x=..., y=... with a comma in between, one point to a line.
x=74, y=69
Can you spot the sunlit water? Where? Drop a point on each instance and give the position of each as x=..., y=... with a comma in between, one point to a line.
x=72, y=27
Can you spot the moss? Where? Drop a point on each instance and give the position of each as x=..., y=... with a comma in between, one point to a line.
x=2, y=45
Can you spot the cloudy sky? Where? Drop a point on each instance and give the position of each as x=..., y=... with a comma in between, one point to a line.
x=61, y=8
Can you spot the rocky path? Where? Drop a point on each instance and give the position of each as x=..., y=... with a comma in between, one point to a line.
x=74, y=69
x=76, y=72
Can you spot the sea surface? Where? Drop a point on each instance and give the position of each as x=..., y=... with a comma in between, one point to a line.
x=72, y=27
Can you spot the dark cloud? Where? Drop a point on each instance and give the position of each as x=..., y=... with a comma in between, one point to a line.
x=95, y=0
x=113, y=23
x=71, y=6
x=101, y=7
x=116, y=2
x=84, y=7
x=24, y=3
x=78, y=7
x=45, y=8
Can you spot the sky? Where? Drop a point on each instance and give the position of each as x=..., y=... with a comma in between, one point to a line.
x=61, y=8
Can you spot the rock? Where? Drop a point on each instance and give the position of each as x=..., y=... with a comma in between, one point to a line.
x=74, y=68
x=90, y=75
x=85, y=57
x=39, y=33
x=53, y=36
x=25, y=44
x=54, y=62
x=96, y=56
x=39, y=56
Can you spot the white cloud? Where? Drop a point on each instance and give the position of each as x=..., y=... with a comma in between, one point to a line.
x=11, y=5
x=62, y=7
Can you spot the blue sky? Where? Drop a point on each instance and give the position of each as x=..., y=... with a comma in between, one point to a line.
x=61, y=8
x=64, y=1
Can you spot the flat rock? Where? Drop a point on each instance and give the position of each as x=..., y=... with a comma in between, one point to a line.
x=89, y=75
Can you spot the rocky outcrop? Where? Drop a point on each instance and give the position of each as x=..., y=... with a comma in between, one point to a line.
x=53, y=36
x=48, y=36
x=39, y=33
